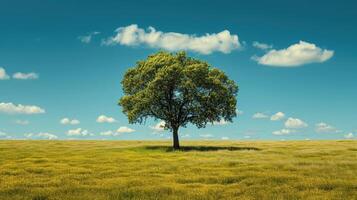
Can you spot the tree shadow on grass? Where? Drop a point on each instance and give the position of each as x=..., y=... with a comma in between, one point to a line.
x=202, y=148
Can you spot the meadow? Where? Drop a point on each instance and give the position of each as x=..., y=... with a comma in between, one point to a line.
x=64, y=170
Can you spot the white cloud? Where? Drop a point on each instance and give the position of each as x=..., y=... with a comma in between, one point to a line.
x=25, y=76
x=295, y=123
x=108, y=133
x=239, y=112
x=2, y=134
x=28, y=135
x=11, y=108
x=124, y=129
x=160, y=126
x=277, y=116
x=295, y=55
x=185, y=135
x=78, y=132
x=283, y=132
x=221, y=122
x=3, y=75
x=260, y=116
x=105, y=119
x=349, y=136
x=88, y=38
x=132, y=35
x=262, y=46
x=206, y=135
x=22, y=122
x=120, y=130
x=75, y=121
x=224, y=138
x=66, y=121
x=17, y=75
x=47, y=136
x=324, y=128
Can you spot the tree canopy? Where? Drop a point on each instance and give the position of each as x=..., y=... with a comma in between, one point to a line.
x=178, y=90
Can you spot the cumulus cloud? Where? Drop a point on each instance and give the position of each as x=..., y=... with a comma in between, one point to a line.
x=3, y=74
x=124, y=129
x=295, y=55
x=22, y=122
x=132, y=35
x=11, y=108
x=277, y=116
x=67, y=121
x=17, y=75
x=224, y=138
x=88, y=38
x=295, y=123
x=324, y=128
x=78, y=132
x=46, y=136
x=283, y=132
x=160, y=126
x=260, y=116
x=221, y=122
x=105, y=119
x=261, y=46
x=120, y=130
x=349, y=136
x=25, y=76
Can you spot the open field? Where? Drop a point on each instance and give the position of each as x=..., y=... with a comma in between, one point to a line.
x=62, y=170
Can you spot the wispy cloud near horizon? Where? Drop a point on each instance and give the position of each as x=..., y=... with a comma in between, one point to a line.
x=25, y=76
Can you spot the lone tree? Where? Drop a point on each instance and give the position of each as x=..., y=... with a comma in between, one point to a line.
x=178, y=90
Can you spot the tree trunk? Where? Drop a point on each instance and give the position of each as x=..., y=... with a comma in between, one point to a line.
x=176, y=144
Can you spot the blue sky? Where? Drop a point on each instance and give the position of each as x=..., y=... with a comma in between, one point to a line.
x=65, y=59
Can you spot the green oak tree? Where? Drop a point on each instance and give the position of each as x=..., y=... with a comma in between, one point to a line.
x=178, y=90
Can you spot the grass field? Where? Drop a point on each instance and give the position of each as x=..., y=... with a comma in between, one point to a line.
x=44, y=170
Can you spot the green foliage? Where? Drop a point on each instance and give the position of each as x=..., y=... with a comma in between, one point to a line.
x=177, y=89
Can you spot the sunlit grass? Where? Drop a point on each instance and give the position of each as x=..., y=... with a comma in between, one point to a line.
x=44, y=170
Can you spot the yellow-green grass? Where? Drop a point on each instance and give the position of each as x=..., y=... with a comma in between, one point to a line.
x=62, y=170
